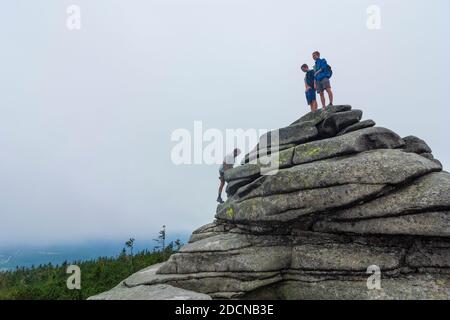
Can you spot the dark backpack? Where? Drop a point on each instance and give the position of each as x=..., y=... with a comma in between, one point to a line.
x=330, y=71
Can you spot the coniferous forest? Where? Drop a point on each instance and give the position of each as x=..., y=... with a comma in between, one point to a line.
x=49, y=282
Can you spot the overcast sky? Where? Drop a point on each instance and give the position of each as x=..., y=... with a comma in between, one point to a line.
x=86, y=116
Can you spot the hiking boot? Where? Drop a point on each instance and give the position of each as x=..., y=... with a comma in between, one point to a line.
x=219, y=199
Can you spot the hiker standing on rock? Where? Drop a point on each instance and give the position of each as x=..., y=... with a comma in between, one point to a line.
x=310, y=92
x=228, y=163
x=322, y=74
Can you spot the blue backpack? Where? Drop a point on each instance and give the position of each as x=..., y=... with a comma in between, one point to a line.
x=328, y=70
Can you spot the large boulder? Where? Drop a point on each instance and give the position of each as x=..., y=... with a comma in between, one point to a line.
x=235, y=265
x=344, y=198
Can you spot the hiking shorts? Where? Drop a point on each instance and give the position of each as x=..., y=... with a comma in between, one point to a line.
x=310, y=96
x=323, y=84
x=222, y=170
x=222, y=173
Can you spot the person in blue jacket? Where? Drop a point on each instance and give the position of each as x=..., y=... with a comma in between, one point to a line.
x=322, y=74
x=310, y=92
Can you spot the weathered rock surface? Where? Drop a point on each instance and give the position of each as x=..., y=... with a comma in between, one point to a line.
x=282, y=158
x=354, y=142
x=337, y=122
x=420, y=287
x=323, y=185
x=422, y=224
x=149, y=292
x=358, y=126
x=343, y=196
x=416, y=145
x=309, y=120
x=293, y=134
x=425, y=194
